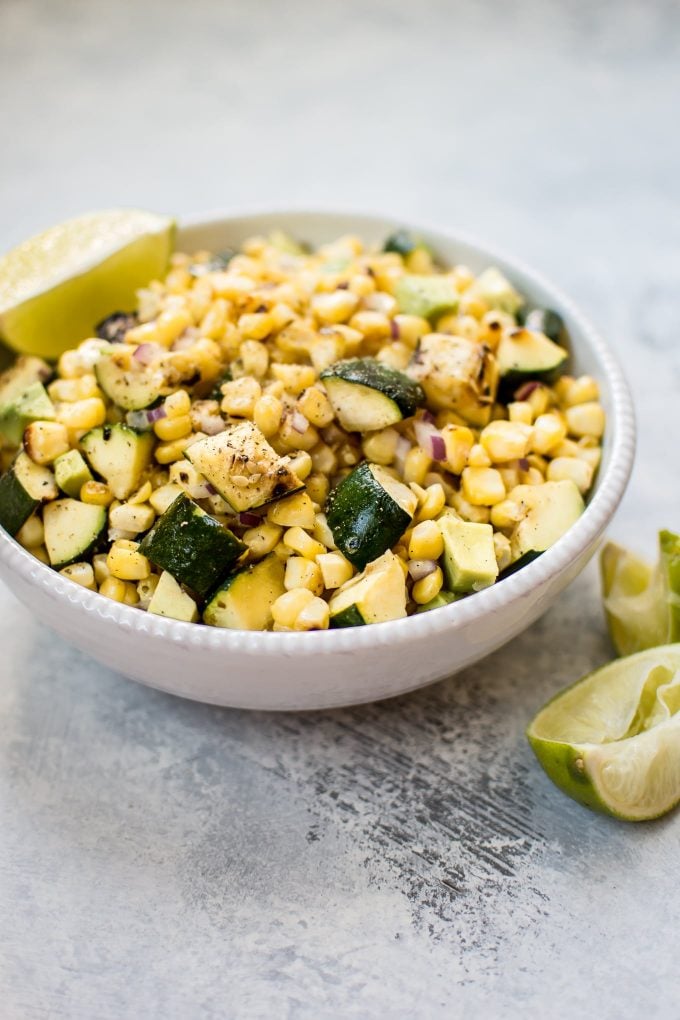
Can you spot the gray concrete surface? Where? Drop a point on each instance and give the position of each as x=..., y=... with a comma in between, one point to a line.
x=163, y=859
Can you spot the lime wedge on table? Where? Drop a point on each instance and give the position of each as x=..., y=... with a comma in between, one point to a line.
x=612, y=740
x=56, y=286
x=642, y=604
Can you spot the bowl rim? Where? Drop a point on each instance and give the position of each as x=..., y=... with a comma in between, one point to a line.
x=609, y=491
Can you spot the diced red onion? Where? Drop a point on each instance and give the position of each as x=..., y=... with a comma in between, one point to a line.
x=146, y=354
x=250, y=520
x=418, y=569
x=138, y=420
x=523, y=464
x=394, y=329
x=427, y=415
x=526, y=389
x=430, y=439
x=201, y=490
x=156, y=414
x=299, y=422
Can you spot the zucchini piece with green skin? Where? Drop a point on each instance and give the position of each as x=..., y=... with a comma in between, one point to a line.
x=426, y=295
x=243, y=467
x=376, y=595
x=192, y=546
x=120, y=455
x=15, y=380
x=71, y=473
x=549, y=510
x=525, y=355
x=367, y=395
x=31, y=405
x=546, y=321
x=456, y=374
x=469, y=555
x=127, y=383
x=244, y=601
x=368, y=512
x=169, y=599
x=22, y=489
x=72, y=530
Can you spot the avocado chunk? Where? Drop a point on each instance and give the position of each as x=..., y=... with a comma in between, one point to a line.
x=169, y=599
x=496, y=290
x=428, y=295
x=71, y=473
x=469, y=555
x=376, y=595
x=244, y=601
x=31, y=405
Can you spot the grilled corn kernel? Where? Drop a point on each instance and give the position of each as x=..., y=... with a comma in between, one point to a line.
x=539, y=400
x=240, y=396
x=96, y=494
x=431, y=503
x=255, y=358
x=83, y=414
x=282, y=315
x=314, y=616
x=579, y=471
x=169, y=429
x=505, y=440
x=397, y=355
x=467, y=510
x=373, y=325
x=591, y=454
x=326, y=351
x=410, y=328
x=324, y=459
x=31, y=534
x=521, y=412
x=171, y=324
x=335, y=569
x=295, y=432
x=131, y=597
x=44, y=441
x=416, y=465
x=126, y=563
x=101, y=571
x=301, y=464
x=131, y=517
x=164, y=496
x=267, y=414
x=322, y=533
x=141, y=495
x=478, y=457
x=316, y=406
x=300, y=542
x=506, y=514
x=531, y=477
x=580, y=391
x=295, y=378
x=510, y=476
x=427, y=587
x=549, y=431
x=214, y=319
x=168, y=453
x=256, y=325
x=426, y=542
x=288, y=606
x=380, y=447
x=178, y=404
x=501, y=545
x=334, y=307
x=318, y=487
x=585, y=419
x=81, y=573
x=458, y=440
x=483, y=486
x=296, y=510
x=263, y=538
x=113, y=588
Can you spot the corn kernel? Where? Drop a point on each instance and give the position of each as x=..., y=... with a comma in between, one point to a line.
x=169, y=429
x=506, y=514
x=521, y=412
x=549, y=431
x=458, y=440
x=256, y=325
x=316, y=406
x=83, y=414
x=539, y=400
x=164, y=496
x=502, y=549
x=322, y=533
x=263, y=538
x=483, y=486
x=168, y=453
x=240, y=396
x=432, y=501
x=381, y=447
x=126, y=563
x=282, y=315
x=416, y=465
x=267, y=414
x=318, y=487
x=113, y=588
x=295, y=378
x=44, y=441
x=297, y=509
x=373, y=325
x=314, y=616
x=396, y=355
x=31, y=534
x=146, y=590
x=301, y=464
x=295, y=432
x=288, y=606
x=467, y=510
x=410, y=328
x=478, y=457
x=427, y=587
x=96, y=494
x=214, y=320
x=334, y=307
x=324, y=459
x=505, y=440
x=585, y=419
x=335, y=569
x=591, y=454
x=300, y=542
x=255, y=358
x=583, y=390
x=131, y=597
x=426, y=542
x=141, y=495
x=132, y=518
x=326, y=351
x=101, y=571
x=579, y=471
x=178, y=404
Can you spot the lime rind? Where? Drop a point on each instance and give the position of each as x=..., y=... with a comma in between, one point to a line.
x=612, y=740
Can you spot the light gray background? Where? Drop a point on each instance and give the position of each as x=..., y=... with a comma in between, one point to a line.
x=408, y=859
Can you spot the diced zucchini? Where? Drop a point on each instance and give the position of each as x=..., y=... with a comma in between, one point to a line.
x=457, y=375
x=244, y=601
x=15, y=380
x=33, y=404
x=192, y=546
x=469, y=555
x=72, y=530
x=368, y=513
x=243, y=467
x=523, y=355
x=22, y=489
x=376, y=595
x=401, y=242
x=497, y=291
x=549, y=511
x=126, y=382
x=285, y=243
x=444, y=598
x=169, y=599
x=428, y=296
x=120, y=455
x=367, y=395
x=71, y=472
x=546, y=321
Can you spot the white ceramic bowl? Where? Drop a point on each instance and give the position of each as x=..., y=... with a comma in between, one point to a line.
x=340, y=667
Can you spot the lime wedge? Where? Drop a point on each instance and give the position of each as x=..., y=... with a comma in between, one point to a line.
x=642, y=604
x=612, y=740
x=55, y=287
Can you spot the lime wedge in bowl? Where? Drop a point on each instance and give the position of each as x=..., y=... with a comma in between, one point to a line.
x=642, y=604
x=612, y=740
x=56, y=286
